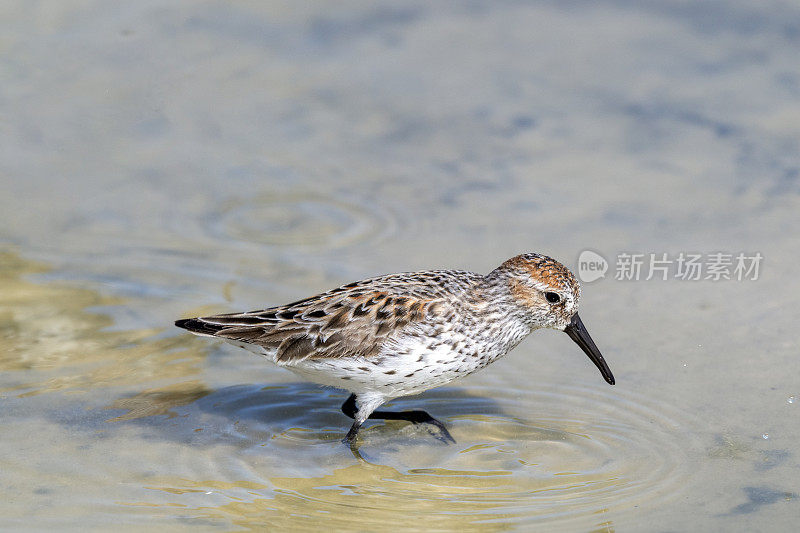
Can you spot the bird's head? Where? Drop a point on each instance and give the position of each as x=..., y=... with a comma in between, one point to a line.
x=547, y=294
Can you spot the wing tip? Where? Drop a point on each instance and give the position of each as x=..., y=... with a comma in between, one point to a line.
x=198, y=326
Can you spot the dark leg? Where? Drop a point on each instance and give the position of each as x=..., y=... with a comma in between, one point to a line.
x=350, y=438
x=415, y=417
x=349, y=407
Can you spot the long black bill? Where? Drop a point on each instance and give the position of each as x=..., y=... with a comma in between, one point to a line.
x=577, y=332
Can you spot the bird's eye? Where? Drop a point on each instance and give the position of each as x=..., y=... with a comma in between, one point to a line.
x=552, y=297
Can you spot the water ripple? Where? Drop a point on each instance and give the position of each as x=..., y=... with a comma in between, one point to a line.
x=577, y=454
x=298, y=220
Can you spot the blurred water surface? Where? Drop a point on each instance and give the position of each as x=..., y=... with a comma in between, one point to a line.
x=160, y=161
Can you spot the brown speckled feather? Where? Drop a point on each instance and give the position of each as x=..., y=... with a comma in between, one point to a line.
x=349, y=321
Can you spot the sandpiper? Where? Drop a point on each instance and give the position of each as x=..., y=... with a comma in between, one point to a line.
x=402, y=334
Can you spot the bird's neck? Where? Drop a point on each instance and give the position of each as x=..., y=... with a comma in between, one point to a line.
x=495, y=311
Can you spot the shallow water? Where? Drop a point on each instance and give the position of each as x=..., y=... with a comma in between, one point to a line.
x=167, y=161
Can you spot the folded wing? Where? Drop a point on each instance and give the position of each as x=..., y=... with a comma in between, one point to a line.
x=339, y=323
